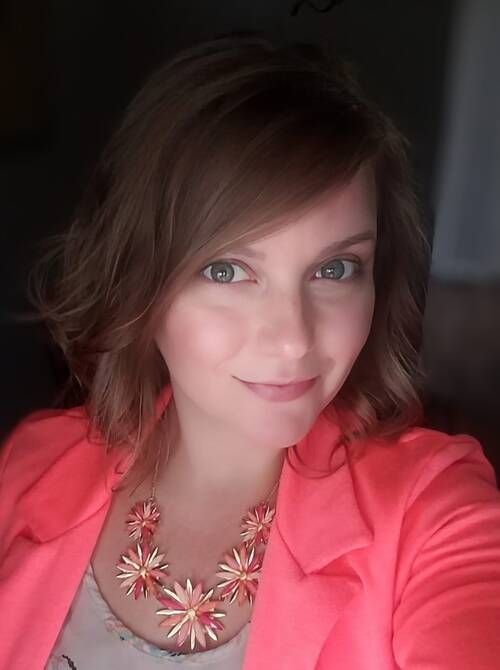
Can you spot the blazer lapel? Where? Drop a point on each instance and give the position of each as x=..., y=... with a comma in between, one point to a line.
x=305, y=583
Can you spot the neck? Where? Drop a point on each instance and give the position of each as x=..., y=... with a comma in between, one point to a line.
x=214, y=470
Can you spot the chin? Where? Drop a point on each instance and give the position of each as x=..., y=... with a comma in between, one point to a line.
x=282, y=430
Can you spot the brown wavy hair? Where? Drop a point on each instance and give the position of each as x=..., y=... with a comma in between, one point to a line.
x=223, y=143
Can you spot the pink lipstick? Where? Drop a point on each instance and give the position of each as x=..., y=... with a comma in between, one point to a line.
x=281, y=392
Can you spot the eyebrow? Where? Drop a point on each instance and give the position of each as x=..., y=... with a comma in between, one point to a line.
x=334, y=247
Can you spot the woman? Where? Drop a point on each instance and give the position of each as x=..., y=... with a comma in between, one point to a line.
x=245, y=483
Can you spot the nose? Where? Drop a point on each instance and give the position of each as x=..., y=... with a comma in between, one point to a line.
x=286, y=328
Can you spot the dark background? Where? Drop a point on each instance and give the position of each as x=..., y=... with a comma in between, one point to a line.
x=67, y=71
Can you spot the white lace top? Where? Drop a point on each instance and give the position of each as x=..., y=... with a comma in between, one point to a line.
x=92, y=638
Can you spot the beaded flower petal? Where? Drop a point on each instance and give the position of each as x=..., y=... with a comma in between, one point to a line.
x=256, y=525
x=143, y=519
x=190, y=612
x=142, y=570
x=241, y=575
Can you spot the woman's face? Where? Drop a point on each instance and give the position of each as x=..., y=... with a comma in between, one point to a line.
x=295, y=305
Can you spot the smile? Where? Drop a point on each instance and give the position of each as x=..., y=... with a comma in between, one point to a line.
x=280, y=392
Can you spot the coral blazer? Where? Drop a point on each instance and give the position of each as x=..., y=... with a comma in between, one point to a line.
x=393, y=561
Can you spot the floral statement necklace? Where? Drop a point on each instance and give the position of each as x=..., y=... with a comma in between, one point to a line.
x=190, y=611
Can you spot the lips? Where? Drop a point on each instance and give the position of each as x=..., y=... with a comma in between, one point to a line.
x=280, y=392
x=280, y=383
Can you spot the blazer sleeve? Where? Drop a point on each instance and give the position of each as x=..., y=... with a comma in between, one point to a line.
x=447, y=613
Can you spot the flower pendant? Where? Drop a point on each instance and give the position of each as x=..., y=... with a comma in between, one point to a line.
x=190, y=612
x=241, y=575
x=143, y=519
x=256, y=525
x=142, y=570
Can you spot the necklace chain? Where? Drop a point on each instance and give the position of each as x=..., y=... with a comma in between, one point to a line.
x=154, y=480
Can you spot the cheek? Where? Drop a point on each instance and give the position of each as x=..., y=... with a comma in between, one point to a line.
x=346, y=327
x=197, y=336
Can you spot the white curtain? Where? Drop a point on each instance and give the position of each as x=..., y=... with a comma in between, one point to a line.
x=467, y=188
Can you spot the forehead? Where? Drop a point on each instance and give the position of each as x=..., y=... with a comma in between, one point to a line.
x=342, y=212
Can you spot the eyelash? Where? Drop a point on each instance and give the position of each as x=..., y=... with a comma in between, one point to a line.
x=355, y=272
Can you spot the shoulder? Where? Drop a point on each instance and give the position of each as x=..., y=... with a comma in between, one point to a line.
x=419, y=455
x=33, y=449
x=37, y=441
x=416, y=483
x=48, y=449
x=54, y=473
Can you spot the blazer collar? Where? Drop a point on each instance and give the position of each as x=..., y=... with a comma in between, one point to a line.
x=319, y=519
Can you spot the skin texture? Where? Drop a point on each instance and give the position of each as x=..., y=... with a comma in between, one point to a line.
x=281, y=317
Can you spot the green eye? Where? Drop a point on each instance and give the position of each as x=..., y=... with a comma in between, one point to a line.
x=226, y=272
x=219, y=273
x=339, y=269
